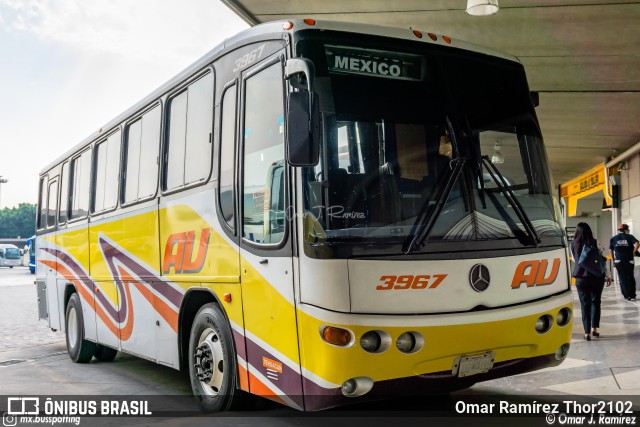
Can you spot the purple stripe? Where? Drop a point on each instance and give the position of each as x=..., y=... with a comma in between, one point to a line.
x=162, y=287
x=84, y=278
x=289, y=381
x=238, y=339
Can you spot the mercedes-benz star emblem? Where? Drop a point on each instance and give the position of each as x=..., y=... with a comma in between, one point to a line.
x=479, y=278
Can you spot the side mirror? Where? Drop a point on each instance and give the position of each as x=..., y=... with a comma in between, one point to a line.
x=302, y=138
x=302, y=144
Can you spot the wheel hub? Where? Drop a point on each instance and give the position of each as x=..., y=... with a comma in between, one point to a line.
x=209, y=361
x=204, y=362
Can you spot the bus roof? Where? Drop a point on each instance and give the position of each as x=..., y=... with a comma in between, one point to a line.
x=276, y=29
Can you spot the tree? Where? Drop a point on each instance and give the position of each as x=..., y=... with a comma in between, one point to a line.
x=18, y=221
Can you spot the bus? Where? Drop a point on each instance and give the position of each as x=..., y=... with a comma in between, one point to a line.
x=318, y=213
x=31, y=253
x=10, y=255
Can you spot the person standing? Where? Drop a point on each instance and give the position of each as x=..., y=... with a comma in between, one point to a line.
x=589, y=284
x=623, y=246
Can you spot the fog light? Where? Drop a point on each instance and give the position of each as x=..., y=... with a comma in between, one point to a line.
x=543, y=324
x=357, y=386
x=349, y=387
x=564, y=317
x=562, y=351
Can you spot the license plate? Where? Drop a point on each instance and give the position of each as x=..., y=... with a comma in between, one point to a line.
x=473, y=364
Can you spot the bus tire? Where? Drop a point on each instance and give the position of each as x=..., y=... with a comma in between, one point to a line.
x=79, y=349
x=105, y=354
x=213, y=368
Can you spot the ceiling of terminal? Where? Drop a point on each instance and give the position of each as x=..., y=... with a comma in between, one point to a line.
x=583, y=56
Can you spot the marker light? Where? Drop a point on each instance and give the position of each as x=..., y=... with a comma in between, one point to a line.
x=287, y=25
x=336, y=336
x=433, y=36
x=446, y=39
x=417, y=33
x=310, y=21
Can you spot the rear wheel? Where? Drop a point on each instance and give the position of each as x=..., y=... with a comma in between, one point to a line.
x=105, y=354
x=79, y=349
x=213, y=368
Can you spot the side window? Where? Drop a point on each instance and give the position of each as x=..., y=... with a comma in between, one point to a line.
x=227, y=161
x=188, y=152
x=64, y=195
x=79, y=185
x=141, y=153
x=107, y=169
x=52, y=204
x=263, y=155
x=42, y=202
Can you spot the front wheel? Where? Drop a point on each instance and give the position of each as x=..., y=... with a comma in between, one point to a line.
x=79, y=349
x=213, y=369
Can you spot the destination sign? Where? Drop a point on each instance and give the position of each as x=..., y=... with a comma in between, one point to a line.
x=376, y=63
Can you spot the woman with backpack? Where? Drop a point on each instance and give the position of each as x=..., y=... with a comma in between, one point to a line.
x=589, y=274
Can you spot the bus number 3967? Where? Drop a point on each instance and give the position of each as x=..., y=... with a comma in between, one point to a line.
x=423, y=281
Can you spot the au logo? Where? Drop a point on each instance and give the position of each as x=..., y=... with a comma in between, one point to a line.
x=535, y=273
x=178, y=252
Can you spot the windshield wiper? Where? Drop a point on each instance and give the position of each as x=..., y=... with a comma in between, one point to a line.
x=502, y=184
x=430, y=211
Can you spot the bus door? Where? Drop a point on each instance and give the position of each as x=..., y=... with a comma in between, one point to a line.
x=266, y=257
x=50, y=199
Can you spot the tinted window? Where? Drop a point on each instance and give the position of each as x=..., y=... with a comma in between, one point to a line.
x=42, y=205
x=141, y=167
x=107, y=168
x=227, y=146
x=52, y=204
x=80, y=181
x=64, y=195
x=189, y=141
x=263, y=155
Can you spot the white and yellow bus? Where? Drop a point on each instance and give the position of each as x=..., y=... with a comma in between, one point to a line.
x=318, y=213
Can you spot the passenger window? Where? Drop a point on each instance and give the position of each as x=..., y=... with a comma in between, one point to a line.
x=64, y=195
x=141, y=165
x=52, y=204
x=42, y=202
x=263, y=156
x=227, y=163
x=107, y=169
x=188, y=153
x=80, y=182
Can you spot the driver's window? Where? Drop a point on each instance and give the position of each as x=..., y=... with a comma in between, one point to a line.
x=263, y=156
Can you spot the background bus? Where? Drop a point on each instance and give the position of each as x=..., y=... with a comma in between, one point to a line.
x=31, y=244
x=317, y=213
x=10, y=255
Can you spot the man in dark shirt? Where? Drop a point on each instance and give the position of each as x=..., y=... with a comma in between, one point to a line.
x=623, y=246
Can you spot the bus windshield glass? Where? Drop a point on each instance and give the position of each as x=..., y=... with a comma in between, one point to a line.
x=442, y=147
x=12, y=253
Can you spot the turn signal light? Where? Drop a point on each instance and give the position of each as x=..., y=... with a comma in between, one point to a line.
x=287, y=25
x=336, y=336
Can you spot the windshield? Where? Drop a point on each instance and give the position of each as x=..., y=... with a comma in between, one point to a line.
x=12, y=253
x=402, y=156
